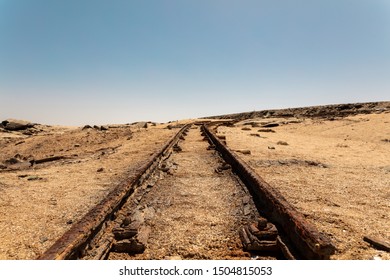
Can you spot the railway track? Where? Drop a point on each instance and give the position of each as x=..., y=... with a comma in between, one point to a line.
x=163, y=201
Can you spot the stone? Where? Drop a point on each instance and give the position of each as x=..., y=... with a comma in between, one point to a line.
x=176, y=258
x=14, y=125
x=143, y=234
x=131, y=246
x=244, y=152
x=266, y=130
x=13, y=160
x=270, y=125
x=33, y=178
x=86, y=127
x=255, y=134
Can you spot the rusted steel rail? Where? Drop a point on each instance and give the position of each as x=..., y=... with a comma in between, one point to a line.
x=74, y=242
x=306, y=240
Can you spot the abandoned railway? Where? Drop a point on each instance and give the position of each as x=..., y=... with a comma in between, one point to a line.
x=194, y=199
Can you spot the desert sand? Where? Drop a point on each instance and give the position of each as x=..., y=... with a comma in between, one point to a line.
x=334, y=168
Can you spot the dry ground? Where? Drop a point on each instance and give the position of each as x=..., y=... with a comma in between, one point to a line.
x=337, y=172
x=38, y=204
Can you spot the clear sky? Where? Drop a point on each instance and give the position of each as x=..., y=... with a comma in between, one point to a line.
x=75, y=62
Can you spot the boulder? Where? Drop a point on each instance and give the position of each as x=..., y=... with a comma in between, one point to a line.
x=13, y=125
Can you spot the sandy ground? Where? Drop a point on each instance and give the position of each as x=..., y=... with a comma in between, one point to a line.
x=337, y=172
x=39, y=203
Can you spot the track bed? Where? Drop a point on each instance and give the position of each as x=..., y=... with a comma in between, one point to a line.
x=191, y=211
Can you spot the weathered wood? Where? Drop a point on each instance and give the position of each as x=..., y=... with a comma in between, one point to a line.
x=307, y=240
x=267, y=246
x=285, y=250
x=244, y=238
x=378, y=243
x=124, y=233
x=257, y=244
x=254, y=230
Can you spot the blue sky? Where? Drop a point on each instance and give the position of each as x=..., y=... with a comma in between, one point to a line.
x=76, y=62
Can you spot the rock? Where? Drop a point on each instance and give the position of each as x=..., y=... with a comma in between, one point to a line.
x=33, y=178
x=131, y=246
x=224, y=166
x=246, y=128
x=143, y=234
x=177, y=148
x=13, y=160
x=20, y=165
x=149, y=213
x=255, y=134
x=164, y=169
x=3, y=166
x=138, y=217
x=173, y=258
x=271, y=148
x=103, y=128
x=266, y=130
x=247, y=210
x=244, y=152
x=14, y=125
x=101, y=169
x=43, y=239
x=86, y=127
x=270, y=125
x=126, y=222
x=282, y=143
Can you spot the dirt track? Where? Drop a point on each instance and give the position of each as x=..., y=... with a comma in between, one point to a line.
x=193, y=212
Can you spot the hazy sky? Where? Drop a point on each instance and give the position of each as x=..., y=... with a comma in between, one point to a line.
x=76, y=62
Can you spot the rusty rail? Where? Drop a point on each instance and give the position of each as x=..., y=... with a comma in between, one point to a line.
x=74, y=242
x=306, y=240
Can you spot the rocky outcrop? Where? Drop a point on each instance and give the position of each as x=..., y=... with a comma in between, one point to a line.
x=14, y=125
